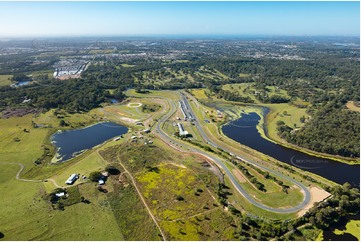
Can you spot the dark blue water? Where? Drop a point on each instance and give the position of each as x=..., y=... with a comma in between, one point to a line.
x=72, y=142
x=244, y=131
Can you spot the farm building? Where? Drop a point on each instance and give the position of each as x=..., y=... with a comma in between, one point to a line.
x=182, y=132
x=72, y=179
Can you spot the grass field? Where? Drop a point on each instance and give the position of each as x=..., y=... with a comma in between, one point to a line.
x=22, y=207
x=283, y=112
x=239, y=202
x=214, y=225
x=161, y=187
x=129, y=212
x=5, y=80
x=243, y=89
x=152, y=93
x=248, y=90
x=163, y=174
x=199, y=93
x=352, y=227
x=28, y=148
x=273, y=196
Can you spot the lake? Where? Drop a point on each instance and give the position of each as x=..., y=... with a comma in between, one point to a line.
x=244, y=131
x=73, y=142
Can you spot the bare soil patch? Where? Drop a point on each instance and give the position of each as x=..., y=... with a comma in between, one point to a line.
x=129, y=120
x=134, y=105
x=352, y=106
x=18, y=112
x=239, y=176
x=317, y=195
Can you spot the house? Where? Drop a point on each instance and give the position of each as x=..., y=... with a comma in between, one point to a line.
x=72, y=179
x=101, y=182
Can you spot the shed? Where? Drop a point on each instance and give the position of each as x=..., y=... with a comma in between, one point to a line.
x=60, y=194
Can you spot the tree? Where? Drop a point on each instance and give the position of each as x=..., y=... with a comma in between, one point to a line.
x=112, y=170
x=280, y=122
x=266, y=175
x=62, y=123
x=302, y=119
x=95, y=176
x=346, y=187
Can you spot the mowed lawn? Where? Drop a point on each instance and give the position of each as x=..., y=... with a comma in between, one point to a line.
x=26, y=216
x=291, y=117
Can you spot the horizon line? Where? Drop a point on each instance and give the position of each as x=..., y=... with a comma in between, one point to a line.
x=173, y=35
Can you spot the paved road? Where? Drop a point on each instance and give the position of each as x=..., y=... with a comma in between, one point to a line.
x=222, y=165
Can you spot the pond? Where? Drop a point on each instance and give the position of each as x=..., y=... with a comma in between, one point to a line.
x=73, y=142
x=244, y=131
x=20, y=83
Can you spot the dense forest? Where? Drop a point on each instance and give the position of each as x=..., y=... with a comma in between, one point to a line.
x=78, y=95
x=332, y=129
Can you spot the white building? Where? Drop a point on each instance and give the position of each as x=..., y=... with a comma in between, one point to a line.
x=72, y=179
x=182, y=132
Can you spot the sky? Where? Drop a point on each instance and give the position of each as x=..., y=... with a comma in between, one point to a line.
x=49, y=19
